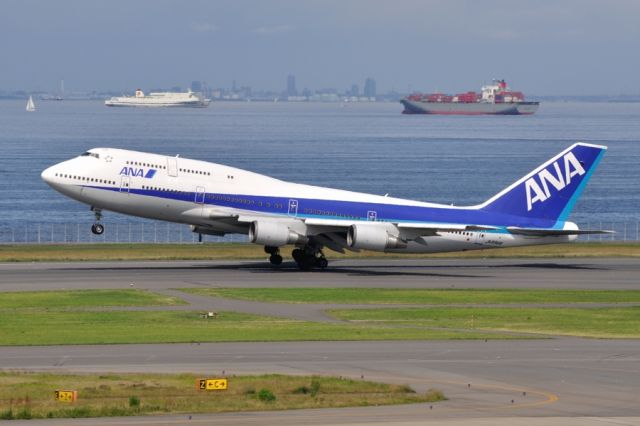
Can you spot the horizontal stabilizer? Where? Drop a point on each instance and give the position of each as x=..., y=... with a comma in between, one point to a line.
x=554, y=232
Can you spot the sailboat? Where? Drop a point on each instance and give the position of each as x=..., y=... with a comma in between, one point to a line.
x=30, y=105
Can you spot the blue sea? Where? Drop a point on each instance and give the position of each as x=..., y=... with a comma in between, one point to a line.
x=368, y=147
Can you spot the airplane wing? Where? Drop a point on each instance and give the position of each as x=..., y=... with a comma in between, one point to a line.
x=427, y=227
x=433, y=228
x=333, y=232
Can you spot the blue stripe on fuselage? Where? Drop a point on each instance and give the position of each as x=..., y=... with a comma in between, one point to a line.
x=347, y=210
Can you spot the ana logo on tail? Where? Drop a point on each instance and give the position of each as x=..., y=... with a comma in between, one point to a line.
x=538, y=189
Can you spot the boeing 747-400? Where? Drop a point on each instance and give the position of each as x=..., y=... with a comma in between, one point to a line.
x=216, y=199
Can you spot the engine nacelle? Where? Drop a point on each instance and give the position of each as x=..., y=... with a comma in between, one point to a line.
x=373, y=237
x=274, y=234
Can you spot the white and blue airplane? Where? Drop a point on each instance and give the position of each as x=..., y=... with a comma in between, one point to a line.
x=216, y=199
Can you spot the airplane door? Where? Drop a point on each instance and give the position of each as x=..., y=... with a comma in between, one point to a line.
x=372, y=216
x=172, y=166
x=199, y=198
x=293, y=207
x=125, y=184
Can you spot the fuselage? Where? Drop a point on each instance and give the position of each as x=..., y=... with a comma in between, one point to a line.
x=218, y=199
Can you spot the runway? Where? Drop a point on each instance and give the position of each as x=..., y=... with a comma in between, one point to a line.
x=616, y=273
x=550, y=381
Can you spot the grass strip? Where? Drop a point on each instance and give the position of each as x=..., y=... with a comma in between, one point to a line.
x=593, y=322
x=31, y=395
x=84, y=299
x=419, y=296
x=222, y=251
x=20, y=328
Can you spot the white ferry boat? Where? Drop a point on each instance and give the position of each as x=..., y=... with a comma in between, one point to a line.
x=160, y=99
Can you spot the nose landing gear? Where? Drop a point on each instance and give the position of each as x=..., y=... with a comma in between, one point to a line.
x=97, y=228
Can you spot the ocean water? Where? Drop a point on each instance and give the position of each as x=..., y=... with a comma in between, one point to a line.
x=361, y=147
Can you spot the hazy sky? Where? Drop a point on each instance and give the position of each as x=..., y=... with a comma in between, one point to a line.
x=541, y=47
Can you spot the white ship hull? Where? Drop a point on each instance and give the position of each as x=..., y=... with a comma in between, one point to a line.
x=133, y=103
x=160, y=100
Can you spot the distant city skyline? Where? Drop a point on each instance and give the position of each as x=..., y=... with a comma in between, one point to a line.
x=572, y=47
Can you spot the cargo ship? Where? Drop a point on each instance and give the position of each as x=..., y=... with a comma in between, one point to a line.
x=495, y=98
x=159, y=99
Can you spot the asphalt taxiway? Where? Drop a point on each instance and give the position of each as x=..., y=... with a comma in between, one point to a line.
x=550, y=381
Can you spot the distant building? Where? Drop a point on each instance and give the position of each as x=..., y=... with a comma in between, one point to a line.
x=291, y=85
x=355, y=90
x=370, y=88
x=196, y=86
x=245, y=91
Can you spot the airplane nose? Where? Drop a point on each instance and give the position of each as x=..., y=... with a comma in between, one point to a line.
x=47, y=175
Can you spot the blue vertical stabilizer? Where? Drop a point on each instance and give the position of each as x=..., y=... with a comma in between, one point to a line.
x=547, y=195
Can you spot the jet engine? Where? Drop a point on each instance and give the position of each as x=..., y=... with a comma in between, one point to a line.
x=373, y=237
x=274, y=234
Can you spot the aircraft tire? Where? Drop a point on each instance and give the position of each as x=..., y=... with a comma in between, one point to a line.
x=322, y=262
x=297, y=255
x=97, y=229
x=275, y=259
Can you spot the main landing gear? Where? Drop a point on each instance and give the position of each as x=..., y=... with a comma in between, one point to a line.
x=309, y=257
x=97, y=228
x=275, y=257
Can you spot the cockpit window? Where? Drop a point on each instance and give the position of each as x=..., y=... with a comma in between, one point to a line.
x=90, y=154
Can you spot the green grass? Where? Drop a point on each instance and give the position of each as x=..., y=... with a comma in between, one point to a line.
x=222, y=251
x=30, y=395
x=419, y=296
x=83, y=299
x=70, y=317
x=112, y=327
x=594, y=322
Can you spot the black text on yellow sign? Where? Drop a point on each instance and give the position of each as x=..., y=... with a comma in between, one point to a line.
x=66, y=395
x=212, y=384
